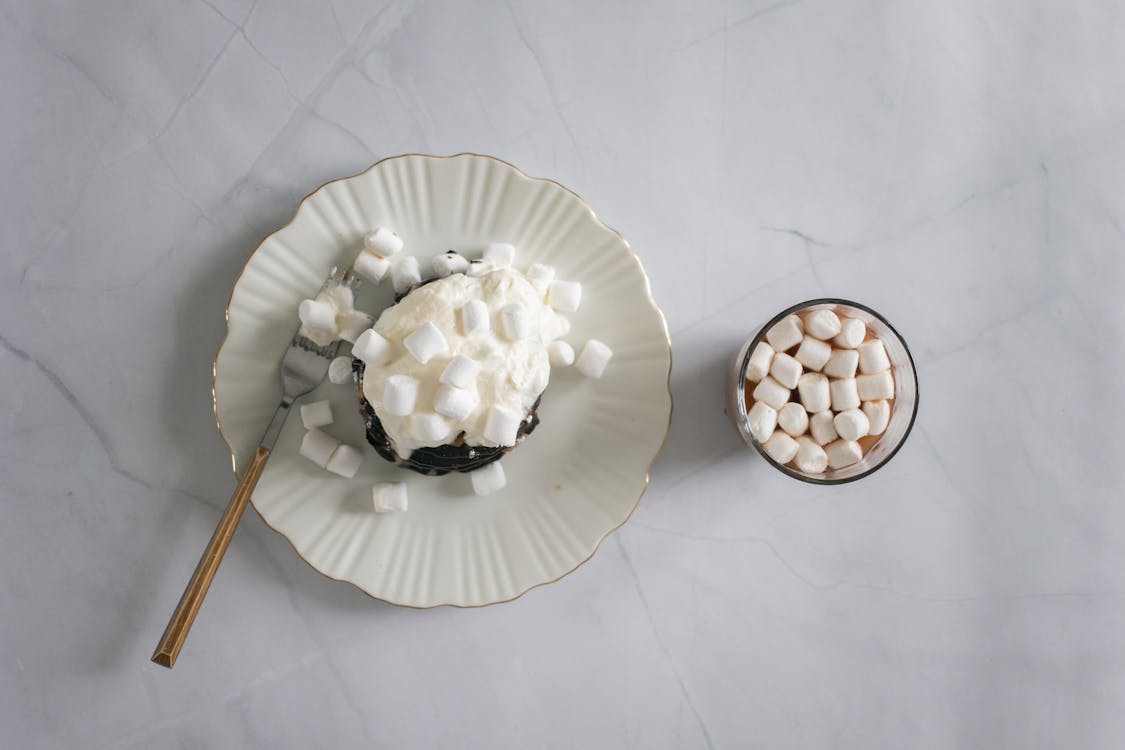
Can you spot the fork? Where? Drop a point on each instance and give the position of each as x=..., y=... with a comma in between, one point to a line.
x=302, y=369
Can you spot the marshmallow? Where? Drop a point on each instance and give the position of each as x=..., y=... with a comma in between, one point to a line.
x=564, y=295
x=352, y=324
x=345, y=461
x=873, y=357
x=822, y=324
x=851, y=424
x=502, y=426
x=405, y=274
x=425, y=342
x=449, y=263
x=541, y=275
x=852, y=333
x=479, y=268
x=460, y=372
x=429, y=427
x=814, y=393
x=785, y=333
x=383, y=242
x=762, y=419
x=455, y=403
x=844, y=394
x=317, y=316
x=813, y=353
x=593, y=359
x=474, y=317
x=316, y=414
x=878, y=416
x=498, y=254
x=514, y=321
x=780, y=447
x=793, y=419
x=822, y=427
x=759, y=363
x=841, y=364
x=389, y=496
x=560, y=353
x=552, y=325
x=843, y=453
x=876, y=387
x=771, y=392
x=340, y=370
x=371, y=267
x=372, y=348
x=318, y=447
x=811, y=458
x=488, y=478
x=399, y=395
x=785, y=370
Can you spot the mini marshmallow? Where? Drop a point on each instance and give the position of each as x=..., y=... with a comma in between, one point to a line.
x=873, y=357
x=449, y=263
x=785, y=370
x=405, y=274
x=785, y=333
x=560, y=353
x=876, y=387
x=474, y=317
x=460, y=372
x=399, y=395
x=352, y=324
x=814, y=393
x=843, y=453
x=771, y=392
x=852, y=333
x=841, y=364
x=502, y=426
x=372, y=348
x=345, y=461
x=498, y=254
x=851, y=424
x=317, y=316
x=318, y=447
x=488, y=478
x=813, y=353
x=552, y=325
x=763, y=420
x=383, y=242
x=593, y=359
x=564, y=295
x=425, y=342
x=514, y=320
x=429, y=427
x=541, y=274
x=780, y=447
x=371, y=267
x=822, y=324
x=340, y=370
x=822, y=427
x=759, y=364
x=455, y=403
x=389, y=497
x=878, y=416
x=811, y=458
x=316, y=414
x=844, y=394
x=793, y=419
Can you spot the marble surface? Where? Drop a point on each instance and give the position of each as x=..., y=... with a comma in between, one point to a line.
x=959, y=166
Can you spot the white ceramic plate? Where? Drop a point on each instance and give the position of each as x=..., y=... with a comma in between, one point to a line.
x=575, y=479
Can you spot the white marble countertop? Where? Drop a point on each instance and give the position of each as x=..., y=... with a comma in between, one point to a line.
x=959, y=166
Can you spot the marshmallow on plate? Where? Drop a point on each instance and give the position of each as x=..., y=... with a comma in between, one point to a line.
x=345, y=461
x=822, y=324
x=499, y=254
x=502, y=426
x=844, y=394
x=455, y=403
x=762, y=419
x=822, y=427
x=316, y=414
x=318, y=447
x=560, y=354
x=389, y=496
x=813, y=353
x=793, y=419
x=488, y=478
x=317, y=316
x=514, y=320
x=429, y=427
x=372, y=348
x=425, y=342
x=851, y=424
x=460, y=372
x=474, y=317
x=843, y=453
x=785, y=333
x=785, y=370
x=811, y=458
x=593, y=359
x=352, y=324
x=399, y=395
x=383, y=242
x=814, y=393
x=405, y=274
x=878, y=415
x=449, y=263
x=876, y=387
x=852, y=332
x=780, y=447
x=758, y=366
x=771, y=392
x=873, y=357
x=340, y=370
x=371, y=267
x=564, y=295
x=841, y=364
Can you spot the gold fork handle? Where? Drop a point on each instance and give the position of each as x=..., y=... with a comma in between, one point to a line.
x=176, y=632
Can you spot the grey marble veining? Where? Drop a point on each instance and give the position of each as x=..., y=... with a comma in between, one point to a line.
x=959, y=166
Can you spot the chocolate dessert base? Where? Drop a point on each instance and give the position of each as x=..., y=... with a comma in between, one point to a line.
x=442, y=459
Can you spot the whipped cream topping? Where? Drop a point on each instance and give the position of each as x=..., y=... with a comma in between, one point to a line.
x=513, y=374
